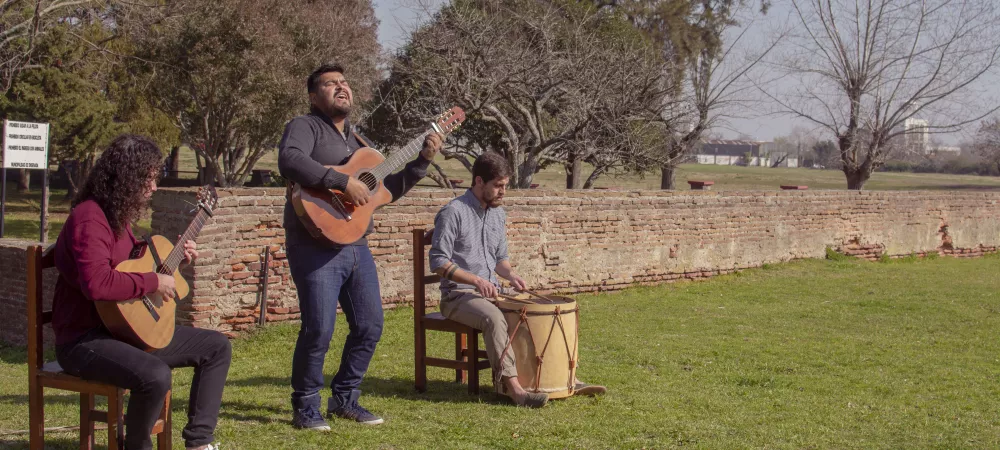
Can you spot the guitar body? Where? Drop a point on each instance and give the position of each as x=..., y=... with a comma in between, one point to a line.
x=327, y=213
x=323, y=215
x=131, y=321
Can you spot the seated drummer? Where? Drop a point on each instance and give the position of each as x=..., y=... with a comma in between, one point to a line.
x=469, y=250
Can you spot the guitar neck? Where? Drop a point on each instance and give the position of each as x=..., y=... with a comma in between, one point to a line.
x=177, y=254
x=400, y=157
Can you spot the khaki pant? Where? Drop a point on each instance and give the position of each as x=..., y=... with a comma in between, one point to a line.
x=470, y=308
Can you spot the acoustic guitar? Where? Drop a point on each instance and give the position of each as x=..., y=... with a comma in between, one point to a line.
x=330, y=216
x=148, y=322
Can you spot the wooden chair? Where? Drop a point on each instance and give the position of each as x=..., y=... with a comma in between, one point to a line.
x=469, y=358
x=41, y=376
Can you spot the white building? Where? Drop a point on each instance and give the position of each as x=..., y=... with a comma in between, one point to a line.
x=917, y=135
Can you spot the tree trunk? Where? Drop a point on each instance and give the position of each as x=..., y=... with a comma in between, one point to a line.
x=574, y=174
x=667, y=177
x=24, y=181
x=524, y=174
x=856, y=178
x=589, y=184
x=174, y=163
x=208, y=174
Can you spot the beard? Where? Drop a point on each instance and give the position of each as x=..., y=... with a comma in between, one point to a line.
x=339, y=110
x=494, y=202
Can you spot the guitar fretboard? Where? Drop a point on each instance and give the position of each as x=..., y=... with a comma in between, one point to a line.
x=177, y=254
x=394, y=162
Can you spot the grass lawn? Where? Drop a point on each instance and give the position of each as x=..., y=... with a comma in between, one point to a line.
x=809, y=354
x=725, y=177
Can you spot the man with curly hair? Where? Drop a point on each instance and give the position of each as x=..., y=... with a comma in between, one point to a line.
x=324, y=274
x=97, y=237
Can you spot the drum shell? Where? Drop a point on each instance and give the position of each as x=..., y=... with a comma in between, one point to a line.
x=550, y=369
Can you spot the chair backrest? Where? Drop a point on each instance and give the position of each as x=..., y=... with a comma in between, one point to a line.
x=421, y=239
x=39, y=259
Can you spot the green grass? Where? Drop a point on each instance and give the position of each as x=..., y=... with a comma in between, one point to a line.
x=810, y=354
x=22, y=218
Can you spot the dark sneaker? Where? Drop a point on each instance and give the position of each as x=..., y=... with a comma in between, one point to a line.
x=582, y=388
x=306, y=415
x=348, y=408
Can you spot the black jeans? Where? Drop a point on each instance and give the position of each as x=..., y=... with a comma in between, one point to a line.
x=100, y=357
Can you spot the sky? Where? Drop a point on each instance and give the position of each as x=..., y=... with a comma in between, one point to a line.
x=398, y=17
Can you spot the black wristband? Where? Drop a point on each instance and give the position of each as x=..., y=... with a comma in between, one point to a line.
x=451, y=271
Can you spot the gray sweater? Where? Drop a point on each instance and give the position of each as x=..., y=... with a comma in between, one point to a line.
x=310, y=143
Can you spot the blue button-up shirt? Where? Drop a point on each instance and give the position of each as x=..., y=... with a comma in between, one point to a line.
x=471, y=236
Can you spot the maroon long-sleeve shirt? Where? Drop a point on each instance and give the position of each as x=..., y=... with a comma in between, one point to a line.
x=86, y=255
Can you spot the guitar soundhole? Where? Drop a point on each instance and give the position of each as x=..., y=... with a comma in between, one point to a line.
x=369, y=180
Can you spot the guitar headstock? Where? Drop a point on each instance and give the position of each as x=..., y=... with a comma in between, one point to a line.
x=449, y=120
x=208, y=199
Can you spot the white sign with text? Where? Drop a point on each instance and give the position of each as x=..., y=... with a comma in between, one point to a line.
x=25, y=145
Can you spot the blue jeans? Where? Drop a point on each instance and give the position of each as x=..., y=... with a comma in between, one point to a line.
x=323, y=276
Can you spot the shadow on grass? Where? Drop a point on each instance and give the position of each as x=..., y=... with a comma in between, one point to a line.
x=62, y=441
x=13, y=354
x=50, y=398
x=403, y=388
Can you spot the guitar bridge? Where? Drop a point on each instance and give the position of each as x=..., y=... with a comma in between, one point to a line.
x=149, y=306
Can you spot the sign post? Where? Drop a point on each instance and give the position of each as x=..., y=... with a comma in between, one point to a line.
x=26, y=146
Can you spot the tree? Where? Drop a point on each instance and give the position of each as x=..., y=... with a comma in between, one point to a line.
x=67, y=90
x=987, y=142
x=75, y=86
x=230, y=73
x=827, y=154
x=861, y=70
x=709, y=75
x=24, y=22
x=541, y=82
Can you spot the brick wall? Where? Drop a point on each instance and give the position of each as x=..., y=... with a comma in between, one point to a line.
x=583, y=241
x=14, y=292
x=574, y=241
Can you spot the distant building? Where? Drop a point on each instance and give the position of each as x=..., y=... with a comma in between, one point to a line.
x=725, y=152
x=917, y=135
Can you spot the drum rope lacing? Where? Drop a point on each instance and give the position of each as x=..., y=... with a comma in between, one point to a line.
x=540, y=358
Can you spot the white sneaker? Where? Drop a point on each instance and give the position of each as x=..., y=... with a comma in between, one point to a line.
x=213, y=446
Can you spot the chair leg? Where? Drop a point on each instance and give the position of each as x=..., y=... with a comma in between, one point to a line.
x=472, y=362
x=86, y=425
x=116, y=425
x=460, y=345
x=36, y=416
x=419, y=361
x=163, y=441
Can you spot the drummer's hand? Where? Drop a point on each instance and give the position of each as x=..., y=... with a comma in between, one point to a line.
x=485, y=288
x=517, y=282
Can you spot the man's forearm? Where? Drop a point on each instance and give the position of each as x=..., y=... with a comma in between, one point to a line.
x=451, y=271
x=505, y=270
